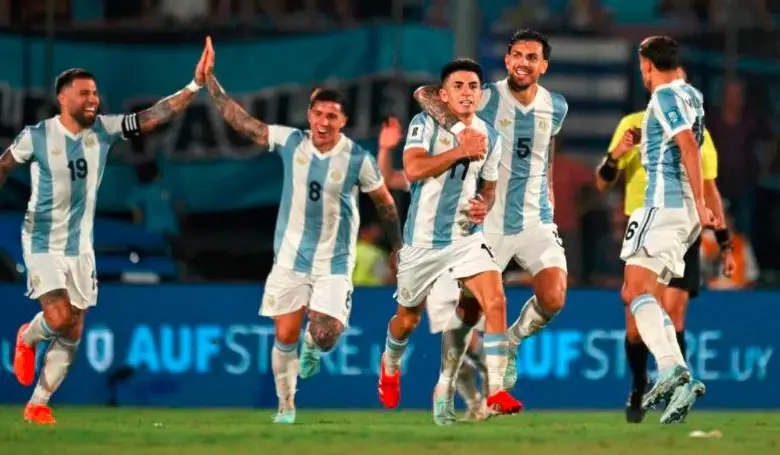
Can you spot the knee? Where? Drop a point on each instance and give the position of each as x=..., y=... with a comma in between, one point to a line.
x=325, y=332
x=288, y=333
x=552, y=298
x=60, y=316
x=633, y=289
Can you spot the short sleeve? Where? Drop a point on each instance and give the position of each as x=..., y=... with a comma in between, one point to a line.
x=115, y=125
x=559, y=110
x=489, y=170
x=370, y=177
x=420, y=132
x=278, y=136
x=22, y=147
x=670, y=113
x=709, y=158
x=488, y=90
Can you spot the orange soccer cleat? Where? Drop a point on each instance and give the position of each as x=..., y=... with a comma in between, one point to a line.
x=39, y=413
x=24, y=359
x=502, y=402
x=389, y=387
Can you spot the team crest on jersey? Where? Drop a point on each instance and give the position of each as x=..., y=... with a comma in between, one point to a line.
x=300, y=159
x=543, y=125
x=56, y=151
x=504, y=122
x=336, y=176
x=444, y=141
x=90, y=141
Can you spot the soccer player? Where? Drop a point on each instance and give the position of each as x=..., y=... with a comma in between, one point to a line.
x=528, y=117
x=670, y=219
x=316, y=231
x=445, y=293
x=624, y=156
x=443, y=234
x=67, y=155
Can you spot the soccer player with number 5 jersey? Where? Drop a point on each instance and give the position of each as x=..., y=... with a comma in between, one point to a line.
x=521, y=225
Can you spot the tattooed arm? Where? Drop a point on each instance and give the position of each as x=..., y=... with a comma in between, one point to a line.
x=163, y=111
x=235, y=115
x=427, y=97
x=388, y=215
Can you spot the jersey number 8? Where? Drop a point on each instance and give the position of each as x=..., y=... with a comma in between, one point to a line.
x=78, y=169
x=315, y=191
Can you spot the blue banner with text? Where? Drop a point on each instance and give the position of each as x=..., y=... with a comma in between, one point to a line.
x=205, y=163
x=204, y=345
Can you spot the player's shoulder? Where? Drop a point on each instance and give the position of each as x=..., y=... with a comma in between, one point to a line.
x=556, y=100
x=36, y=128
x=421, y=118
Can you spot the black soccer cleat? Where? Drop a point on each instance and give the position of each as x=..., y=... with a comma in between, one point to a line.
x=634, y=411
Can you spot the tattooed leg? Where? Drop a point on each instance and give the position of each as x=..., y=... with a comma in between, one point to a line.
x=322, y=334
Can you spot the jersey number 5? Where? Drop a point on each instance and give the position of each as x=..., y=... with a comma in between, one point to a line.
x=78, y=169
x=523, y=147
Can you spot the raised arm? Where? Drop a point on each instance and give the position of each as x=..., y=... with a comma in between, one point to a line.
x=167, y=108
x=235, y=115
x=427, y=97
x=389, y=138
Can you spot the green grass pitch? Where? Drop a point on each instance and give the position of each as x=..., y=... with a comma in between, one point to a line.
x=140, y=431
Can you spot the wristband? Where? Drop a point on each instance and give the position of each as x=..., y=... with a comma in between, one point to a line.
x=193, y=86
x=608, y=170
x=457, y=128
x=723, y=238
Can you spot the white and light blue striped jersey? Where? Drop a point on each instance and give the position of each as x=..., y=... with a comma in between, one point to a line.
x=673, y=107
x=318, y=222
x=436, y=215
x=522, y=193
x=65, y=174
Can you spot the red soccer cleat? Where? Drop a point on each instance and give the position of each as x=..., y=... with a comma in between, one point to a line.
x=389, y=387
x=39, y=413
x=503, y=403
x=24, y=359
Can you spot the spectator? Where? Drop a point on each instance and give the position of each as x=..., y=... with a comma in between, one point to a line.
x=372, y=265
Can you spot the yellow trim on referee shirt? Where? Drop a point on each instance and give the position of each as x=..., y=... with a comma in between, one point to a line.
x=631, y=162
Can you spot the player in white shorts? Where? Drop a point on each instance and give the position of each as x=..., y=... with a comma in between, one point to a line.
x=521, y=225
x=659, y=234
x=452, y=187
x=67, y=155
x=316, y=231
x=442, y=302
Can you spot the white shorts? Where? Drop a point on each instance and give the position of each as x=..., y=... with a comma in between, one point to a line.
x=419, y=268
x=441, y=305
x=657, y=239
x=535, y=249
x=287, y=291
x=76, y=274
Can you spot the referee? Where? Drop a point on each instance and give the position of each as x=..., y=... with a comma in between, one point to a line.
x=624, y=156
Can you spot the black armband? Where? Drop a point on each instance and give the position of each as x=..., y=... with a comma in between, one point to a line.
x=723, y=238
x=130, y=126
x=608, y=170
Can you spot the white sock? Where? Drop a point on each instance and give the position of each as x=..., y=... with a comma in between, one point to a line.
x=56, y=362
x=531, y=320
x=496, y=346
x=650, y=323
x=466, y=384
x=671, y=337
x=453, y=349
x=284, y=364
x=394, y=351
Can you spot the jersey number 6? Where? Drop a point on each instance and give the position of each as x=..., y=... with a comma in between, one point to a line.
x=523, y=147
x=631, y=230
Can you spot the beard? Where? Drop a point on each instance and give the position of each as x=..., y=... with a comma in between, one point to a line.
x=517, y=86
x=82, y=119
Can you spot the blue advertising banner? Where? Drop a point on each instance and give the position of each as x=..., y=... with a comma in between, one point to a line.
x=205, y=163
x=192, y=345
